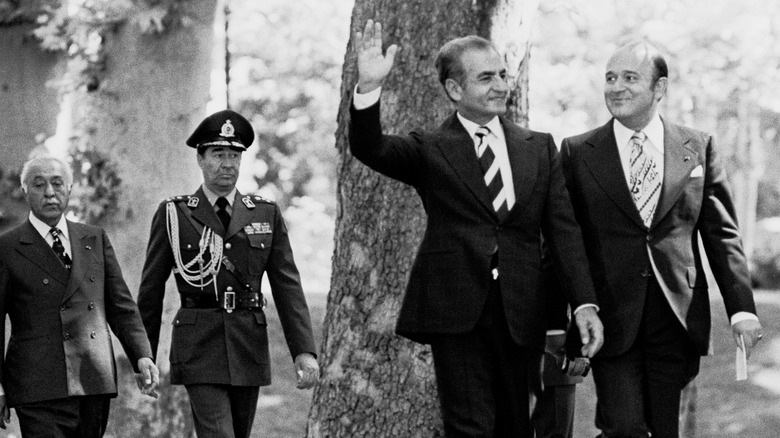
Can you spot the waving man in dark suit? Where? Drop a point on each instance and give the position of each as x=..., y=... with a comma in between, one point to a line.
x=646, y=192
x=61, y=287
x=489, y=188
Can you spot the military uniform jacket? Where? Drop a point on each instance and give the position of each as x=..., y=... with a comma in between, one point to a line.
x=60, y=344
x=211, y=345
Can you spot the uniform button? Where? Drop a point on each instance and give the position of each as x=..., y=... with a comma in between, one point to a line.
x=262, y=245
x=92, y=278
x=92, y=335
x=189, y=246
x=91, y=306
x=176, y=322
x=228, y=246
x=63, y=307
x=67, y=336
x=230, y=288
x=45, y=281
x=649, y=237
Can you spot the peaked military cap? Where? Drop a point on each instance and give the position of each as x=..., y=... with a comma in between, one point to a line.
x=223, y=128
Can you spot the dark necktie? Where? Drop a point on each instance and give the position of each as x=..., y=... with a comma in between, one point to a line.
x=492, y=172
x=59, y=249
x=222, y=212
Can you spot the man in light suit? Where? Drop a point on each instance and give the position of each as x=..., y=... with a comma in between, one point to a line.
x=475, y=291
x=645, y=192
x=62, y=288
x=219, y=243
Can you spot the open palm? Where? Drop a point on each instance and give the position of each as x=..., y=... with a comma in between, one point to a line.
x=373, y=65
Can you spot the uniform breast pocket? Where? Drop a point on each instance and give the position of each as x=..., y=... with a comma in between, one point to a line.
x=260, y=245
x=183, y=337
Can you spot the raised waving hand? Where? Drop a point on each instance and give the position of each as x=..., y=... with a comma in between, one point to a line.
x=373, y=65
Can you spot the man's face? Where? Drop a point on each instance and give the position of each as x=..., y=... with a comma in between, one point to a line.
x=48, y=191
x=629, y=91
x=220, y=168
x=483, y=92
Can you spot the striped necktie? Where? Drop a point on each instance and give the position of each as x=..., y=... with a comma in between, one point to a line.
x=492, y=172
x=644, y=180
x=59, y=249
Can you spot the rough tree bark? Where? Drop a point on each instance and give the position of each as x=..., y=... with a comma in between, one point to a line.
x=375, y=383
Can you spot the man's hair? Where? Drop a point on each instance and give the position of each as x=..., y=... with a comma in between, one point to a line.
x=448, y=60
x=660, y=69
x=40, y=159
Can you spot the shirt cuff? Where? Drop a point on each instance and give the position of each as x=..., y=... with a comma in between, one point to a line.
x=2, y=391
x=584, y=306
x=743, y=316
x=363, y=101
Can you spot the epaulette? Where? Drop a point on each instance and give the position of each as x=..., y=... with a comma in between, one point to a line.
x=259, y=198
x=192, y=200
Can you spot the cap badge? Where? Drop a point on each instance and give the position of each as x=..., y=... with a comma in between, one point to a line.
x=227, y=129
x=248, y=202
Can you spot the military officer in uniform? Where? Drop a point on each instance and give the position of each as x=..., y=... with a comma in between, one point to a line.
x=219, y=242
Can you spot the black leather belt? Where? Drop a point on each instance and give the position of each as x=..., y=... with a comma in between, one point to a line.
x=228, y=301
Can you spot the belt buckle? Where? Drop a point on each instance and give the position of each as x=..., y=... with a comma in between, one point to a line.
x=229, y=301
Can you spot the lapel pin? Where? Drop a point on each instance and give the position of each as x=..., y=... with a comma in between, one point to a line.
x=88, y=247
x=687, y=158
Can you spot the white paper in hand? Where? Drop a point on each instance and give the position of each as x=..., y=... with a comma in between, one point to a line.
x=741, y=360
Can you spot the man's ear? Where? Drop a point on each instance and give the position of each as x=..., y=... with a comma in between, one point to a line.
x=454, y=90
x=659, y=90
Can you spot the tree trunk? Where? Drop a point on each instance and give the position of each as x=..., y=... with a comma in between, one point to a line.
x=28, y=101
x=375, y=383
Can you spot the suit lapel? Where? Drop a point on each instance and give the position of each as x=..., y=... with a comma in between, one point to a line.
x=241, y=216
x=603, y=161
x=83, y=247
x=524, y=167
x=205, y=214
x=34, y=248
x=458, y=149
x=679, y=161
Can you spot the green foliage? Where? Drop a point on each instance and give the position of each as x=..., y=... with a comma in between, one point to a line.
x=96, y=185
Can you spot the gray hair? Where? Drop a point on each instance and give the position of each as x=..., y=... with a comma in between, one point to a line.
x=40, y=159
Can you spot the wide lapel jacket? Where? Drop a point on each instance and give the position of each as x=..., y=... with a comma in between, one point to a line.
x=83, y=248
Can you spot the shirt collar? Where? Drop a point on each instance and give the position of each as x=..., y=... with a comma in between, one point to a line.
x=494, y=125
x=654, y=132
x=43, y=228
x=212, y=197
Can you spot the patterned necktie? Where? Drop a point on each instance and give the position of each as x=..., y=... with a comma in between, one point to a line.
x=644, y=180
x=59, y=249
x=492, y=172
x=222, y=212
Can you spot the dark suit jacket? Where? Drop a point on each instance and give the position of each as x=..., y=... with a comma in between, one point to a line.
x=60, y=344
x=210, y=345
x=449, y=281
x=695, y=200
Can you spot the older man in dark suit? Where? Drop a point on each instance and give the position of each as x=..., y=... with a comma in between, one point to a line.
x=62, y=288
x=646, y=192
x=489, y=188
